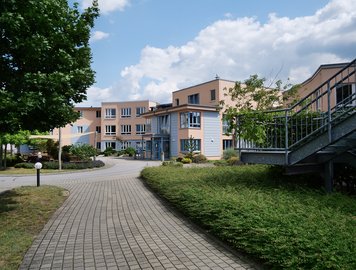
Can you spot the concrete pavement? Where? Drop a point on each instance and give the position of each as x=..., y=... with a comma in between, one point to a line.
x=112, y=221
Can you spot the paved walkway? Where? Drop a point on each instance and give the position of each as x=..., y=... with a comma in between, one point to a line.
x=113, y=221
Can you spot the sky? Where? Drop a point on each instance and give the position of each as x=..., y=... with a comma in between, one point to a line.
x=146, y=49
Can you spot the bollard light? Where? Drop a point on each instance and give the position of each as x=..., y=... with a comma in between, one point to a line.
x=38, y=167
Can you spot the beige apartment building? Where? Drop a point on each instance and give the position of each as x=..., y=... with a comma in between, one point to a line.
x=194, y=114
x=155, y=129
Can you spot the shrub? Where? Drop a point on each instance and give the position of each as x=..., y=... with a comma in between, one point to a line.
x=54, y=165
x=25, y=165
x=13, y=160
x=228, y=153
x=288, y=226
x=109, y=151
x=221, y=162
x=199, y=158
x=172, y=164
x=186, y=160
x=83, y=151
x=233, y=161
x=130, y=151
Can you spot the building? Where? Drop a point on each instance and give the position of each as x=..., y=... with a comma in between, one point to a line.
x=115, y=124
x=83, y=130
x=122, y=125
x=340, y=93
x=193, y=118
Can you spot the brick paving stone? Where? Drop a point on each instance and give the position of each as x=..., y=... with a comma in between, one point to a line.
x=112, y=221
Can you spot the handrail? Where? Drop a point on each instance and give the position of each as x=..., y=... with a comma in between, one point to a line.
x=314, y=114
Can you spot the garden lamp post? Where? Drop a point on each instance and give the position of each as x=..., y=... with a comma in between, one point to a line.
x=38, y=167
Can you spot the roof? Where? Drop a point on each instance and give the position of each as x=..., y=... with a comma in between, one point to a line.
x=180, y=108
x=203, y=84
x=325, y=66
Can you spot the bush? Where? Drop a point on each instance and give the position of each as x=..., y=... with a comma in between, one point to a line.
x=130, y=151
x=54, y=165
x=288, y=226
x=233, y=161
x=25, y=165
x=186, y=160
x=228, y=153
x=221, y=162
x=199, y=158
x=109, y=151
x=11, y=161
x=172, y=164
x=83, y=151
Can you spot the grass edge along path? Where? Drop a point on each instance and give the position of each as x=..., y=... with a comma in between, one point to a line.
x=285, y=225
x=23, y=213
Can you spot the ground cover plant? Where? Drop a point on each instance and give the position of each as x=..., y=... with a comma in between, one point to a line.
x=23, y=213
x=254, y=209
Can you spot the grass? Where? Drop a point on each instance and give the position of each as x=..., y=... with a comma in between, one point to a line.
x=23, y=213
x=254, y=209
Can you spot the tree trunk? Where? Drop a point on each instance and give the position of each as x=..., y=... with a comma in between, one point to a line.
x=1, y=156
x=5, y=154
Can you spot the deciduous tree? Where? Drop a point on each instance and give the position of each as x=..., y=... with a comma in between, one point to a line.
x=44, y=64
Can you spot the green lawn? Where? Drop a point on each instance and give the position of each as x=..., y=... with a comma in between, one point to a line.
x=286, y=225
x=23, y=213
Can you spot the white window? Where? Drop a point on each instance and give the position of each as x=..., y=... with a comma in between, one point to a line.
x=81, y=114
x=110, y=144
x=193, y=99
x=98, y=129
x=98, y=114
x=163, y=122
x=345, y=94
x=125, y=112
x=125, y=129
x=190, y=120
x=125, y=145
x=140, y=110
x=140, y=129
x=110, y=113
x=80, y=129
x=110, y=130
x=190, y=145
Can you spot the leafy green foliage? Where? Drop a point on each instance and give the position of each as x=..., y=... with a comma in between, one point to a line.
x=250, y=99
x=130, y=151
x=263, y=213
x=54, y=165
x=109, y=151
x=186, y=160
x=83, y=151
x=228, y=153
x=45, y=63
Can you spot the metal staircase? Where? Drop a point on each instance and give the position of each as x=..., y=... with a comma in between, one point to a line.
x=314, y=133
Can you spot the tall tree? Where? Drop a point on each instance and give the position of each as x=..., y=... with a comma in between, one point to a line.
x=44, y=64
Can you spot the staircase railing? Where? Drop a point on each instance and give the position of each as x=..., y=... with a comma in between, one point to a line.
x=316, y=113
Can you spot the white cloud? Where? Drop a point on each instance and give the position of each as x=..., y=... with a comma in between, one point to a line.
x=237, y=48
x=96, y=95
x=107, y=6
x=98, y=35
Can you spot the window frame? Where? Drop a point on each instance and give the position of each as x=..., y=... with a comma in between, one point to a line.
x=109, y=130
x=212, y=95
x=193, y=99
x=140, y=110
x=125, y=129
x=140, y=129
x=183, y=143
x=191, y=119
x=125, y=112
x=110, y=113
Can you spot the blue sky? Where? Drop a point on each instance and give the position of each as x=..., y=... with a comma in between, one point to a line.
x=145, y=49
